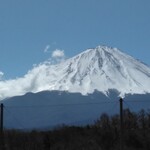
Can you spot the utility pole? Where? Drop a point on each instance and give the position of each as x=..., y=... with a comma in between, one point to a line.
x=1, y=127
x=121, y=124
x=1, y=119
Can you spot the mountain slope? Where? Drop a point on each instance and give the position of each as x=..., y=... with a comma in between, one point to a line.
x=100, y=69
x=48, y=109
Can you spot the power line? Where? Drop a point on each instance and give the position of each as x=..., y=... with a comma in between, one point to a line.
x=75, y=104
x=139, y=101
x=59, y=105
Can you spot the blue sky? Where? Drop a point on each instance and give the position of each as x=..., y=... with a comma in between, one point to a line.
x=27, y=27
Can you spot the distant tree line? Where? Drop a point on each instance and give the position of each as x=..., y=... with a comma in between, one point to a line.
x=104, y=134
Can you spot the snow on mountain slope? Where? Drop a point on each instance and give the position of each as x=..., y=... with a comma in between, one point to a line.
x=101, y=69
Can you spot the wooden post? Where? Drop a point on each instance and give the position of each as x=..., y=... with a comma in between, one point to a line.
x=1, y=119
x=2, y=147
x=121, y=124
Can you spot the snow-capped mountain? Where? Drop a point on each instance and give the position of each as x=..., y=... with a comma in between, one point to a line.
x=101, y=69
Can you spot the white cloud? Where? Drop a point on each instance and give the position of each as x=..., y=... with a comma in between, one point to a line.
x=37, y=79
x=58, y=53
x=46, y=49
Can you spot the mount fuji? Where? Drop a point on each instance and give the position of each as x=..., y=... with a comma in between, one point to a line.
x=102, y=68
x=94, y=76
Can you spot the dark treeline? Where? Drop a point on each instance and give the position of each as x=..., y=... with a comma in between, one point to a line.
x=104, y=134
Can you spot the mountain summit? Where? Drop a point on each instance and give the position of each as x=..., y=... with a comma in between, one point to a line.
x=102, y=69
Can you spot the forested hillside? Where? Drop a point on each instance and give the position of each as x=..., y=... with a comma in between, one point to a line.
x=104, y=134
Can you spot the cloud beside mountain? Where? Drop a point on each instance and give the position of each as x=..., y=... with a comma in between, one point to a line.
x=35, y=80
x=58, y=53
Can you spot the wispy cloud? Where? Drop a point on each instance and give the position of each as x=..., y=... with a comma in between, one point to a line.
x=37, y=79
x=47, y=48
x=58, y=53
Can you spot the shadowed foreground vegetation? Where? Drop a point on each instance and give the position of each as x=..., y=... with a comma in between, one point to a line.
x=103, y=135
